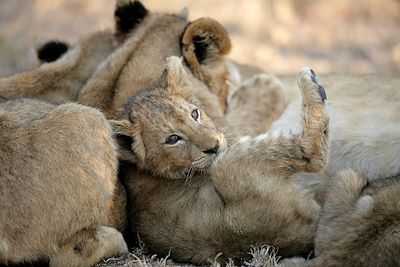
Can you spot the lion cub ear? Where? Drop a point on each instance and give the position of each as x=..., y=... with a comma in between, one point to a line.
x=128, y=14
x=184, y=13
x=174, y=77
x=203, y=40
x=129, y=141
x=204, y=43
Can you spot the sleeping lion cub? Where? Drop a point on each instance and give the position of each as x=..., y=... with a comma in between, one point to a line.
x=202, y=197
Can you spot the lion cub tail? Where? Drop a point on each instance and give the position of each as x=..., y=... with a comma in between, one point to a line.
x=51, y=51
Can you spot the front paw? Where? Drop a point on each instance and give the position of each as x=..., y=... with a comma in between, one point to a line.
x=311, y=90
x=111, y=241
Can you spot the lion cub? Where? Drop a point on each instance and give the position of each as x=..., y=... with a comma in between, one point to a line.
x=359, y=224
x=58, y=168
x=201, y=196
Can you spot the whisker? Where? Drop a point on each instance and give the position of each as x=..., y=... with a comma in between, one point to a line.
x=196, y=161
x=189, y=175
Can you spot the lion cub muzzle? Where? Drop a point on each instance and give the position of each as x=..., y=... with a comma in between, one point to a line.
x=213, y=150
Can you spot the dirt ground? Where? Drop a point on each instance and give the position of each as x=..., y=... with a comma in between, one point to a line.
x=281, y=36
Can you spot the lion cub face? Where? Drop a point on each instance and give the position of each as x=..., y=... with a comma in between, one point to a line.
x=165, y=132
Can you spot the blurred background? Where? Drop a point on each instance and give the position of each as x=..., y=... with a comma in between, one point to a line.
x=281, y=36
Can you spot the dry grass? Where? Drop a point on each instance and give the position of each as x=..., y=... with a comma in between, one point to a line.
x=264, y=256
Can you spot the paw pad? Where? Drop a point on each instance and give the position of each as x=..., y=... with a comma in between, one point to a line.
x=321, y=91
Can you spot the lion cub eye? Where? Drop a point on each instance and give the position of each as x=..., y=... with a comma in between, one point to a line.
x=173, y=139
x=195, y=114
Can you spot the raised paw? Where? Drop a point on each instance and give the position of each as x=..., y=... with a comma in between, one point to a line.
x=311, y=90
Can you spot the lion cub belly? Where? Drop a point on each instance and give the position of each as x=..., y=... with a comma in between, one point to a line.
x=190, y=223
x=171, y=217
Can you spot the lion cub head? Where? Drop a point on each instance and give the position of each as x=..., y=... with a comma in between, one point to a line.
x=164, y=130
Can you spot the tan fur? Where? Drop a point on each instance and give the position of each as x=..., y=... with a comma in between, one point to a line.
x=61, y=81
x=359, y=223
x=222, y=202
x=364, y=138
x=254, y=105
x=58, y=169
x=137, y=64
x=134, y=66
x=220, y=46
x=364, y=129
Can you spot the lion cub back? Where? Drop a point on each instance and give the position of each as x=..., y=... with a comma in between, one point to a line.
x=57, y=175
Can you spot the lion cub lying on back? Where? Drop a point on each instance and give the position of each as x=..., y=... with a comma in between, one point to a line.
x=201, y=197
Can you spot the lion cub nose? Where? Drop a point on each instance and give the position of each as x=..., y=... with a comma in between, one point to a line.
x=213, y=150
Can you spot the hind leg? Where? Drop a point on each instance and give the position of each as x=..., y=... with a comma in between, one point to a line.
x=254, y=105
x=88, y=247
x=342, y=203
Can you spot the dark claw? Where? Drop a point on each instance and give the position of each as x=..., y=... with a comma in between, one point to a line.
x=312, y=72
x=321, y=92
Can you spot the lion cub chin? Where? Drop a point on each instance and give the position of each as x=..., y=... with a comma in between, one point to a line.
x=221, y=199
x=56, y=188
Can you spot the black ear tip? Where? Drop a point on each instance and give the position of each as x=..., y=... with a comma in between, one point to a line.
x=128, y=15
x=51, y=51
x=124, y=142
x=201, y=47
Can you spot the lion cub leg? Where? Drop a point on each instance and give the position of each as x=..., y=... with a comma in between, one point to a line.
x=342, y=206
x=278, y=154
x=88, y=247
x=340, y=193
x=313, y=140
x=39, y=81
x=254, y=105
